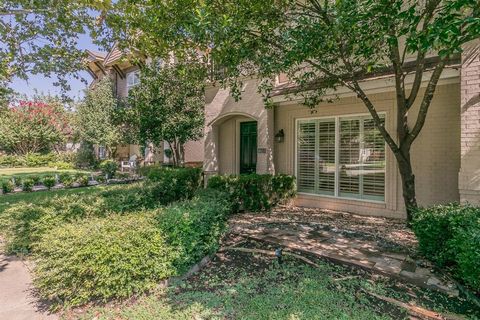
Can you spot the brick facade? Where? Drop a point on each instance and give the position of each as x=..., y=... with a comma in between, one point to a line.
x=469, y=177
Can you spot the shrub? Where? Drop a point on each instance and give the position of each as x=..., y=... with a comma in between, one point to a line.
x=49, y=181
x=61, y=165
x=255, y=192
x=36, y=179
x=85, y=156
x=82, y=179
x=66, y=178
x=28, y=160
x=168, y=185
x=100, y=179
x=17, y=181
x=7, y=186
x=28, y=184
x=145, y=170
x=12, y=161
x=102, y=258
x=194, y=227
x=122, y=175
x=449, y=235
x=109, y=167
x=67, y=156
x=39, y=160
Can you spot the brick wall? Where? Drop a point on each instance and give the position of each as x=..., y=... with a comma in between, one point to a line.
x=469, y=177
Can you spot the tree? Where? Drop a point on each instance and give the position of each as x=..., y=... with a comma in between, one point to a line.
x=96, y=117
x=33, y=126
x=169, y=105
x=41, y=37
x=321, y=45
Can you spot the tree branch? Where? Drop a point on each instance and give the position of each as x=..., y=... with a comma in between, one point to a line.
x=428, y=14
x=376, y=118
x=426, y=101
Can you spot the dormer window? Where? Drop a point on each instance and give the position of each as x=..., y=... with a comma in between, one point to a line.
x=133, y=79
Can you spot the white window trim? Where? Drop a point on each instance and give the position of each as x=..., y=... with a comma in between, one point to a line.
x=337, y=158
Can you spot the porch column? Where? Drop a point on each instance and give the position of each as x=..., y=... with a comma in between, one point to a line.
x=469, y=176
x=212, y=110
x=265, y=142
x=210, y=162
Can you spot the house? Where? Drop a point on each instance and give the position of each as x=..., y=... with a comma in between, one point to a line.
x=339, y=158
x=125, y=76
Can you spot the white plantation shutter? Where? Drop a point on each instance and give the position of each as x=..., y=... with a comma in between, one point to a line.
x=360, y=166
x=326, y=157
x=306, y=156
x=349, y=181
x=374, y=162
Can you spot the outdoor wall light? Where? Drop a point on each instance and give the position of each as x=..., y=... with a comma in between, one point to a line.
x=280, y=136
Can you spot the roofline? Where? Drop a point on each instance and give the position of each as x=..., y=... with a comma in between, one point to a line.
x=291, y=88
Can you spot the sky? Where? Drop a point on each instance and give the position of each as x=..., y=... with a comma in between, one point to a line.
x=43, y=84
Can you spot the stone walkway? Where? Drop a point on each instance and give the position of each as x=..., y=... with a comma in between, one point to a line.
x=16, y=299
x=340, y=246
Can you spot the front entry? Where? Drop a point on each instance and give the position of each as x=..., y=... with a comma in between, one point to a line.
x=248, y=147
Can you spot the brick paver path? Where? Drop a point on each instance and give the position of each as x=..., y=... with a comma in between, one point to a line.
x=340, y=247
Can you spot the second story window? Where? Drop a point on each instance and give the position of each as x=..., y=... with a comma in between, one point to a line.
x=133, y=78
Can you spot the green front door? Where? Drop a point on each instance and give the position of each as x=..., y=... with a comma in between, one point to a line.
x=248, y=147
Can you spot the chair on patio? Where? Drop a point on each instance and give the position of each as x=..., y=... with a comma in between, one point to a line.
x=131, y=164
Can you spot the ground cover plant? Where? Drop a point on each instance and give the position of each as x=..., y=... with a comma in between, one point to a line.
x=39, y=197
x=24, y=223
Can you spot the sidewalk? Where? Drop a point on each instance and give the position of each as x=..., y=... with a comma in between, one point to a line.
x=16, y=299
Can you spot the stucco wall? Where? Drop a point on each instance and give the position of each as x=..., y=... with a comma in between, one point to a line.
x=220, y=132
x=436, y=153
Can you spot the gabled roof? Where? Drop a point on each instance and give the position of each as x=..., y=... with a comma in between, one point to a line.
x=96, y=55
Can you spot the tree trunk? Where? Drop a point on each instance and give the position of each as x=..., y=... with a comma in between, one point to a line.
x=408, y=183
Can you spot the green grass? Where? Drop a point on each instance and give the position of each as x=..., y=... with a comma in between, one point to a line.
x=37, y=197
x=287, y=292
x=7, y=173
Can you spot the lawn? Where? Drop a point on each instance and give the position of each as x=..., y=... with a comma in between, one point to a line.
x=239, y=285
x=7, y=173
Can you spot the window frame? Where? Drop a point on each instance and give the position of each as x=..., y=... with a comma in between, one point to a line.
x=337, y=156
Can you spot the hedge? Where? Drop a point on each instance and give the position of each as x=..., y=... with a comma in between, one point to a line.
x=172, y=184
x=28, y=160
x=121, y=255
x=101, y=258
x=194, y=227
x=449, y=235
x=53, y=160
x=255, y=192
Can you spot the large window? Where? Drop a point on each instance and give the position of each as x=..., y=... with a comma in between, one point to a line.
x=342, y=157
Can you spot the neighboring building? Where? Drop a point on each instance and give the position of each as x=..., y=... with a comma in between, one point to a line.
x=125, y=76
x=340, y=160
